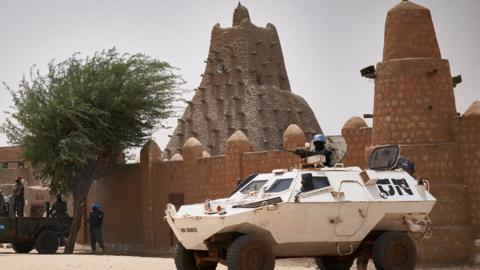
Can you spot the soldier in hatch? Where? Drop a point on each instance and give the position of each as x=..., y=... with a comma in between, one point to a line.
x=319, y=144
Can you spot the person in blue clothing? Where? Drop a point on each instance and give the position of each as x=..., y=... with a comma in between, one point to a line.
x=95, y=221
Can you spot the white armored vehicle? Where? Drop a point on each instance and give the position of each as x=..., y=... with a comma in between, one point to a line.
x=332, y=214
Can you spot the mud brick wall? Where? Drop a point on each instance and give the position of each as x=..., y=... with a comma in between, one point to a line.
x=119, y=197
x=468, y=136
x=439, y=164
x=13, y=164
x=358, y=137
x=263, y=162
x=194, y=180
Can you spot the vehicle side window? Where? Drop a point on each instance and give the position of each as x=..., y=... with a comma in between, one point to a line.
x=253, y=186
x=320, y=182
x=280, y=185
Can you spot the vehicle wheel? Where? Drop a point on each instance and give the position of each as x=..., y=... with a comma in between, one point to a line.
x=249, y=253
x=22, y=247
x=362, y=263
x=46, y=242
x=394, y=251
x=334, y=263
x=184, y=260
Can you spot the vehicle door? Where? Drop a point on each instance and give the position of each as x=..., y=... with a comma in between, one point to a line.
x=316, y=205
x=354, y=202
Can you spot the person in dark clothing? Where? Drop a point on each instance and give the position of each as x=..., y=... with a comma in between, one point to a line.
x=95, y=221
x=319, y=142
x=59, y=208
x=59, y=211
x=2, y=204
x=19, y=197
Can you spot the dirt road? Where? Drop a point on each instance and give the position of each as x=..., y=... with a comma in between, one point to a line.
x=12, y=261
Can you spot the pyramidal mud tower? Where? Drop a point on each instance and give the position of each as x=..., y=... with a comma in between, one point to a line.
x=244, y=87
x=414, y=106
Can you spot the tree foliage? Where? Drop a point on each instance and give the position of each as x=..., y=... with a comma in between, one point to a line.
x=85, y=112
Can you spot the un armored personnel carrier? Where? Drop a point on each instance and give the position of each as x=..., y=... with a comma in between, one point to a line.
x=332, y=214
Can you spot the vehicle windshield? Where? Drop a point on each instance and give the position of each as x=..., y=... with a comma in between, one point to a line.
x=253, y=186
x=280, y=185
x=384, y=157
x=320, y=182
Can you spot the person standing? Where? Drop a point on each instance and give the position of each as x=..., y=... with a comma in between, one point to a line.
x=19, y=196
x=59, y=208
x=59, y=211
x=2, y=204
x=95, y=222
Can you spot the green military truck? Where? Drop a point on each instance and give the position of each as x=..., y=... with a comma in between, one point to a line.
x=45, y=234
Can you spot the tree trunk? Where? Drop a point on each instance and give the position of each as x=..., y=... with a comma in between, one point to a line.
x=79, y=203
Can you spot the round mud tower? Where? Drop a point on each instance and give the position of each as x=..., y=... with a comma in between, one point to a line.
x=409, y=33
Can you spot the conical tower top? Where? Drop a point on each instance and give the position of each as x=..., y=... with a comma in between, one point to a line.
x=409, y=33
x=240, y=14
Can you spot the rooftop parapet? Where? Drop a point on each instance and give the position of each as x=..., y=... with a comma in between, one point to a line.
x=293, y=137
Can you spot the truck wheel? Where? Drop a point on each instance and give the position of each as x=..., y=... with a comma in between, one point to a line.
x=249, y=253
x=22, y=247
x=334, y=263
x=184, y=260
x=394, y=250
x=46, y=242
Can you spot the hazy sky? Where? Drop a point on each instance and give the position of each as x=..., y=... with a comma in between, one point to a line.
x=325, y=43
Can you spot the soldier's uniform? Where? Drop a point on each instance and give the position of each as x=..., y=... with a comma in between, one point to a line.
x=19, y=197
x=2, y=203
x=59, y=208
x=59, y=211
x=319, y=141
x=95, y=221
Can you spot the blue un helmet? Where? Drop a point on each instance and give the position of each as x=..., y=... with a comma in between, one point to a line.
x=95, y=206
x=319, y=138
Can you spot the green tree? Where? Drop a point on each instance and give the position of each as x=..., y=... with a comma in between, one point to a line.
x=75, y=120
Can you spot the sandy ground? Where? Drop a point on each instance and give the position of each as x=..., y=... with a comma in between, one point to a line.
x=82, y=261
x=12, y=261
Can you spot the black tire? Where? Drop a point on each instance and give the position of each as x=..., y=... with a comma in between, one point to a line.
x=47, y=242
x=184, y=260
x=394, y=251
x=249, y=253
x=362, y=263
x=334, y=263
x=22, y=247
